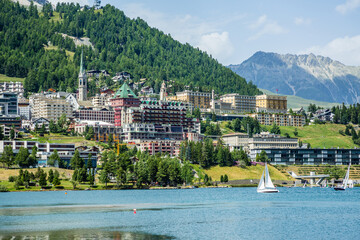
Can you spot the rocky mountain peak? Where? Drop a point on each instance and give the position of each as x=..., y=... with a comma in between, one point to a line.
x=307, y=75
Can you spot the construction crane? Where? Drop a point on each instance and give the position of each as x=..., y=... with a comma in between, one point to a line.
x=97, y=4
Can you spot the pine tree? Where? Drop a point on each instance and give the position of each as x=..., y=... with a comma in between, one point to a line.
x=275, y=129
x=42, y=180
x=91, y=180
x=221, y=157
x=186, y=173
x=354, y=135
x=22, y=158
x=226, y=178
x=56, y=181
x=54, y=159
x=8, y=156
x=51, y=176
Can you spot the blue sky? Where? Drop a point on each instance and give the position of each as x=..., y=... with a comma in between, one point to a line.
x=232, y=30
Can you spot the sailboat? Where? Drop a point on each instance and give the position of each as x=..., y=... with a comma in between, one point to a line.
x=265, y=184
x=343, y=186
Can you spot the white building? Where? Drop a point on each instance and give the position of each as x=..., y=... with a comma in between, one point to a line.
x=240, y=103
x=14, y=87
x=258, y=141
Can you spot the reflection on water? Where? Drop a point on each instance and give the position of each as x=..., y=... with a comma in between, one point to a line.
x=25, y=210
x=83, y=234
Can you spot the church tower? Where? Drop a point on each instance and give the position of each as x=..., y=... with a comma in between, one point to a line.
x=163, y=91
x=82, y=89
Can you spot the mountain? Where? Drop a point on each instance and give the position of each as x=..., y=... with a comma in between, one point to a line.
x=35, y=45
x=307, y=76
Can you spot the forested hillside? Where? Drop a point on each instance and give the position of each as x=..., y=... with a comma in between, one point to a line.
x=31, y=47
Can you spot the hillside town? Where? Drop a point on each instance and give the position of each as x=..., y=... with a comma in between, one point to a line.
x=157, y=123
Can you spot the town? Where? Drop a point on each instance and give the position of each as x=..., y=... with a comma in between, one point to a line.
x=156, y=123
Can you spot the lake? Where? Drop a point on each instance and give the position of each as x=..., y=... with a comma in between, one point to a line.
x=220, y=213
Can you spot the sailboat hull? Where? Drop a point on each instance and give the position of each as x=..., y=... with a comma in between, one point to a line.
x=268, y=190
x=343, y=186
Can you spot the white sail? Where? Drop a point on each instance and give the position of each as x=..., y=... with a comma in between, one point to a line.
x=346, y=179
x=261, y=183
x=268, y=182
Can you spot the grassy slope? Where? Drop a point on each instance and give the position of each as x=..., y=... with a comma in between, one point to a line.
x=224, y=129
x=5, y=173
x=237, y=173
x=4, y=78
x=57, y=138
x=69, y=54
x=321, y=136
x=298, y=102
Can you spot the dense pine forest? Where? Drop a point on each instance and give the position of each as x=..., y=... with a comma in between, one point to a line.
x=31, y=46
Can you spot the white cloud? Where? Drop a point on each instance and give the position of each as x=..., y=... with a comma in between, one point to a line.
x=217, y=44
x=302, y=21
x=345, y=50
x=264, y=26
x=183, y=28
x=261, y=21
x=348, y=6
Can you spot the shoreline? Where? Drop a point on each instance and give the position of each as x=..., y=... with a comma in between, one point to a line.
x=145, y=188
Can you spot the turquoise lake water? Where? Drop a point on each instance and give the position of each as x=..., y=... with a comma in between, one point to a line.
x=234, y=213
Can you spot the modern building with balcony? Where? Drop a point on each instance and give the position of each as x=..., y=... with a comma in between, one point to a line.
x=101, y=115
x=44, y=150
x=303, y=156
x=263, y=140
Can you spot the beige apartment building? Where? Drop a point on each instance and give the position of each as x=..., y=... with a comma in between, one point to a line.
x=51, y=109
x=240, y=103
x=198, y=99
x=271, y=103
x=279, y=119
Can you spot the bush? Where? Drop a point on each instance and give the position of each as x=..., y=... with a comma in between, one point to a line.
x=12, y=178
x=3, y=188
x=16, y=185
